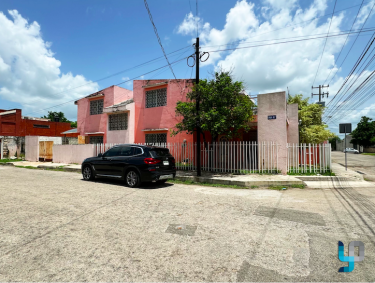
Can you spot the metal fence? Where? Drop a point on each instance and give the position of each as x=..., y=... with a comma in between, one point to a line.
x=309, y=158
x=231, y=157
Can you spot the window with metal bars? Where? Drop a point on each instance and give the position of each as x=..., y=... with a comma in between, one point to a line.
x=156, y=98
x=156, y=138
x=96, y=139
x=96, y=106
x=118, y=122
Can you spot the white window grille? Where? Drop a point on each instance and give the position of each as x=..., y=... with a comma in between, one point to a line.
x=156, y=98
x=118, y=122
x=96, y=139
x=156, y=138
x=96, y=107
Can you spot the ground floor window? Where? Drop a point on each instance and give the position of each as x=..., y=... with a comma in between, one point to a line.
x=96, y=139
x=156, y=138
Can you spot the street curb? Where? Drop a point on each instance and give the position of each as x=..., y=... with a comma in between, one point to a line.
x=239, y=183
x=6, y=164
x=321, y=178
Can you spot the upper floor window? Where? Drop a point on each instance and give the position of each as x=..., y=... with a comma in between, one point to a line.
x=96, y=107
x=156, y=98
x=41, y=126
x=118, y=122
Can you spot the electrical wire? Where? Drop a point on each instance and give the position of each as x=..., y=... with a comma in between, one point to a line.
x=325, y=42
x=337, y=58
x=57, y=105
x=157, y=35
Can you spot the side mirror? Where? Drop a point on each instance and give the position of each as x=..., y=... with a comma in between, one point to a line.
x=100, y=155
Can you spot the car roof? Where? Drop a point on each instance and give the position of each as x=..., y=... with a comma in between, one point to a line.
x=140, y=145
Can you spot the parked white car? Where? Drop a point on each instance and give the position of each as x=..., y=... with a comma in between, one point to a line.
x=351, y=150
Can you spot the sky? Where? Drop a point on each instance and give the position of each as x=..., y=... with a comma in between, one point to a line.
x=55, y=52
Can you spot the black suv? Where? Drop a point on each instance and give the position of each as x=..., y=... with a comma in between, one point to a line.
x=132, y=163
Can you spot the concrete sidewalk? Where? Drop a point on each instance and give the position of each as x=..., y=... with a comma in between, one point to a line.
x=350, y=177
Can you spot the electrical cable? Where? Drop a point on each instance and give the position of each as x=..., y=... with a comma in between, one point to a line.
x=325, y=42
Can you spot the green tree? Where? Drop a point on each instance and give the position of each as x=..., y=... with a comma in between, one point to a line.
x=51, y=115
x=333, y=141
x=312, y=129
x=364, y=134
x=224, y=108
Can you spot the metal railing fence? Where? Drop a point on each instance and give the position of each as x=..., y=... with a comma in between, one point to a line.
x=309, y=158
x=229, y=157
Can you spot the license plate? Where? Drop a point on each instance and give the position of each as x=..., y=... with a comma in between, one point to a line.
x=163, y=177
x=165, y=162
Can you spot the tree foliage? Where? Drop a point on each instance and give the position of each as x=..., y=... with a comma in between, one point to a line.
x=312, y=129
x=224, y=108
x=364, y=134
x=51, y=115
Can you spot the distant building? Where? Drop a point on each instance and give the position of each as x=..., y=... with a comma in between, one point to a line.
x=14, y=127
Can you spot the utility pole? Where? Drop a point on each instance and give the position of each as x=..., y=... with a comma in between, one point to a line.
x=197, y=59
x=197, y=56
x=320, y=92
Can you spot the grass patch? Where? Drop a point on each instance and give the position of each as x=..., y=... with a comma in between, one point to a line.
x=9, y=160
x=189, y=182
x=247, y=172
x=281, y=188
x=26, y=167
x=60, y=168
x=368, y=154
x=254, y=187
x=300, y=173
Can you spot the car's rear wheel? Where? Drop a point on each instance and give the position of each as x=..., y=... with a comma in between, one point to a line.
x=87, y=173
x=132, y=179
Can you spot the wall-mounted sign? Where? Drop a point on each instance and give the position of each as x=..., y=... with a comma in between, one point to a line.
x=271, y=117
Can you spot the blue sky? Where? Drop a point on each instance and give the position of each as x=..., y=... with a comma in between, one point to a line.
x=82, y=41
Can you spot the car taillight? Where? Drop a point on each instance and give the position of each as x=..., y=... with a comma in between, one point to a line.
x=151, y=161
x=173, y=161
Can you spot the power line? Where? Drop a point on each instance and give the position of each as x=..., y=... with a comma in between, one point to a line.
x=157, y=35
x=337, y=58
x=115, y=85
x=289, y=41
x=291, y=25
x=325, y=42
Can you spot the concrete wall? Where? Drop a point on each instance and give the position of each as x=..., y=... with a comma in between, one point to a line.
x=274, y=130
x=1, y=148
x=369, y=149
x=32, y=148
x=72, y=153
x=341, y=145
x=293, y=131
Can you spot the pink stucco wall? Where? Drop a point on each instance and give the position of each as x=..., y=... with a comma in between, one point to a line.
x=274, y=130
x=87, y=123
x=293, y=132
x=159, y=117
x=72, y=153
x=124, y=136
x=32, y=148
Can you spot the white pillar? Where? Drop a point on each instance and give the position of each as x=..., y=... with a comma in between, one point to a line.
x=1, y=148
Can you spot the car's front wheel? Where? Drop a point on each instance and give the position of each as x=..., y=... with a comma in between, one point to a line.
x=132, y=179
x=87, y=173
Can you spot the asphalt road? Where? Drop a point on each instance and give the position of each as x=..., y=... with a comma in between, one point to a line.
x=57, y=227
x=357, y=162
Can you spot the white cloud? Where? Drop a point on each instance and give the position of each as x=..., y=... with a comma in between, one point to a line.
x=363, y=14
x=129, y=83
x=272, y=68
x=29, y=73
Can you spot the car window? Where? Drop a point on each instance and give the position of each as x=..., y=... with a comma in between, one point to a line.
x=114, y=151
x=126, y=151
x=137, y=151
x=160, y=152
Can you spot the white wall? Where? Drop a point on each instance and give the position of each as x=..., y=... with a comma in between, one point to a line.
x=72, y=153
x=32, y=148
